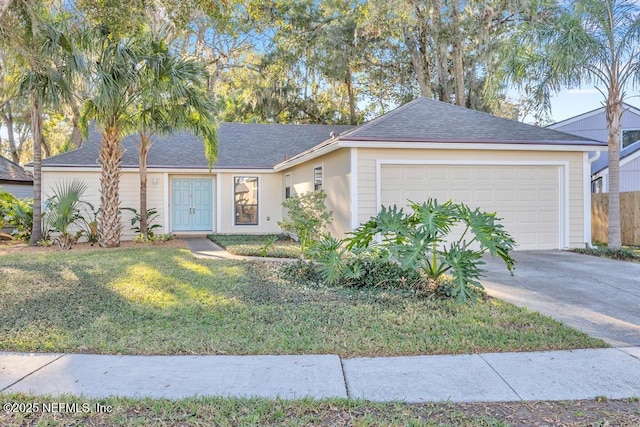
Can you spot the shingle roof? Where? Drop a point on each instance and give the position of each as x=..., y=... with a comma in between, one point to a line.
x=241, y=145
x=257, y=146
x=10, y=171
x=426, y=120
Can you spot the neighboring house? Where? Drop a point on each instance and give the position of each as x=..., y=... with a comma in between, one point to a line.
x=593, y=125
x=536, y=179
x=15, y=180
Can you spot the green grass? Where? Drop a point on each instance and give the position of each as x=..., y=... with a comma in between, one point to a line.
x=161, y=300
x=200, y=411
x=258, y=245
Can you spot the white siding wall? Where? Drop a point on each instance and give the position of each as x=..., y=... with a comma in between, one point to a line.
x=336, y=170
x=21, y=191
x=270, y=197
x=595, y=127
x=575, y=199
x=129, y=192
x=630, y=176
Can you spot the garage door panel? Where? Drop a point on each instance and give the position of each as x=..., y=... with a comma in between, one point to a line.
x=526, y=197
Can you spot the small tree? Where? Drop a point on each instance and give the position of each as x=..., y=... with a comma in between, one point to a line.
x=307, y=217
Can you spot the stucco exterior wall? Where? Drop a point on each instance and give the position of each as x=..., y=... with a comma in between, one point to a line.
x=367, y=177
x=336, y=171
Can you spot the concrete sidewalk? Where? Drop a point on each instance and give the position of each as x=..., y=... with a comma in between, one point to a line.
x=201, y=247
x=558, y=375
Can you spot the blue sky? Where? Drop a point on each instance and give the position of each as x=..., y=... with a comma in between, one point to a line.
x=571, y=102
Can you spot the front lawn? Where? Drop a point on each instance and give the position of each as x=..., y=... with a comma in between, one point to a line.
x=264, y=245
x=162, y=300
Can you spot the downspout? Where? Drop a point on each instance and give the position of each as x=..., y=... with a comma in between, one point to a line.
x=595, y=157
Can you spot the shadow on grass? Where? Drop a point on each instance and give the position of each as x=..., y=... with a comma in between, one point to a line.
x=123, y=300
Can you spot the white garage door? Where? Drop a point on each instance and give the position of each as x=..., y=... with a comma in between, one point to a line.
x=526, y=197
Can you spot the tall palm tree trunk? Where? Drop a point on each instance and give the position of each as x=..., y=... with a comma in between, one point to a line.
x=614, y=117
x=36, y=131
x=143, y=151
x=110, y=159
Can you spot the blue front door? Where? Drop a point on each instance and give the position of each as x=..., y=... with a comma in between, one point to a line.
x=191, y=204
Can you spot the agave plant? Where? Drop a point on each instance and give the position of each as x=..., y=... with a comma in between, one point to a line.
x=64, y=210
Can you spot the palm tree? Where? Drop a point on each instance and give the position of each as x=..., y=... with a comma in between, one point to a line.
x=44, y=48
x=114, y=79
x=587, y=42
x=174, y=98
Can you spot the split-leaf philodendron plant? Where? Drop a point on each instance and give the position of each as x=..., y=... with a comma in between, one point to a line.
x=437, y=240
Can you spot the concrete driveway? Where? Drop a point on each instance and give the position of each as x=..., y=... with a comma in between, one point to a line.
x=598, y=296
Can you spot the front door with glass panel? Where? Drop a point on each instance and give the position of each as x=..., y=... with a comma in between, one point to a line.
x=191, y=204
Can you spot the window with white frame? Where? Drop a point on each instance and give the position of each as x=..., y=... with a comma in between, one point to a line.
x=287, y=186
x=317, y=178
x=630, y=137
x=596, y=185
x=245, y=196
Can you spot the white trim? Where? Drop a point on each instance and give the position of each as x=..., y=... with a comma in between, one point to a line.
x=166, y=219
x=354, y=190
x=563, y=202
x=586, y=175
x=563, y=183
x=218, y=203
x=233, y=201
x=472, y=146
x=177, y=171
x=622, y=131
x=315, y=153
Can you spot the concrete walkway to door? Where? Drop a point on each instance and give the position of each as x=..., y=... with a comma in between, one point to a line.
x=598, y=296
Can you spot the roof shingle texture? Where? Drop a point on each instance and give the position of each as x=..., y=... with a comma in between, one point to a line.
x=241, y=145
x=424, y=119
x=10, y=171
x=257, y=146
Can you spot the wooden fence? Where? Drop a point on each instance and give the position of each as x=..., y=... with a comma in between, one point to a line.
x=629, y=217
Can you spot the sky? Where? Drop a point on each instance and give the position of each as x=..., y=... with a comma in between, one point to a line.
x=571, y=102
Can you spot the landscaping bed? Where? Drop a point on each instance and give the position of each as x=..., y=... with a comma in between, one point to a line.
x=198, y=411
x=626, y=253
x=162, y=300
x=260, y=245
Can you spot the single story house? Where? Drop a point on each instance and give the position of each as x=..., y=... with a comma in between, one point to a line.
x=593, y=125
x=536, y=179
x=15, y=180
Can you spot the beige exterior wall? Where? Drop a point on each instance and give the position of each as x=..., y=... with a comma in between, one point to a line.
x=129, y=192
x=270, y=197
x=574, y=215
x=21, y=191
x=336, y=171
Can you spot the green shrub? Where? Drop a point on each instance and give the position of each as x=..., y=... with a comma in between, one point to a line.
x=302, y=273
x=307, y=218
x=64, y=211
x=152, y=215
x=417, y=249
x=16, y=214
x=422, y=240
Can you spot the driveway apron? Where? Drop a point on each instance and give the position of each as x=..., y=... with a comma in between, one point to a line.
x=598, y=296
